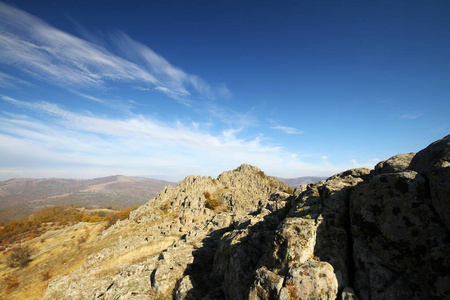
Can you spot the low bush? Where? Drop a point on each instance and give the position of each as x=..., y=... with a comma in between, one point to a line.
x=11, y=283
x=212, y=204
x=20, y=257
x=122, y=215
x=262, y=174
x=83, y=239
x=47, y=275
x=101, y=214
x=289, y=190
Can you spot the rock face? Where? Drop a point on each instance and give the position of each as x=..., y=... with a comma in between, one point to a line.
x=171, y=240
x=360, y=234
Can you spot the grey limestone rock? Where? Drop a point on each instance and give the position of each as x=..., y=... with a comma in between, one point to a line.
x=187, y=289
x=348, y=294
x=435, y=154
x=397, y=238
x=267, y=285
x=312, y=280
x=397, y=163
x=433, y=163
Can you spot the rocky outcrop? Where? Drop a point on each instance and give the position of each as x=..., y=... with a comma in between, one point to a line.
x=360, y=234
x=368, y=234
x=167, y=246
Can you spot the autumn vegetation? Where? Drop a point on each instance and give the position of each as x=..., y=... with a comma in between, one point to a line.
x=214, y=203
x=54, y=218
x=52, y=243
x=19, y=256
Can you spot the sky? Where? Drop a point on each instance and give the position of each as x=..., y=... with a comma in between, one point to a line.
x=171, y=88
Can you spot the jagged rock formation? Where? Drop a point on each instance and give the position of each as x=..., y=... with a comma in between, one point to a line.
x=172, y=240
x=367, y=234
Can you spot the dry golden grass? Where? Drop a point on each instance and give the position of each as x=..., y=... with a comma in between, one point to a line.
x=56, y=253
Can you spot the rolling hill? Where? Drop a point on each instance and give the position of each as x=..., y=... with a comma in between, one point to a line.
x=20, y=197
x=295, y=182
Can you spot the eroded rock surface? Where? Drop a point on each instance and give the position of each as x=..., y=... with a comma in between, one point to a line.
x=171, y=241
x=361, y=234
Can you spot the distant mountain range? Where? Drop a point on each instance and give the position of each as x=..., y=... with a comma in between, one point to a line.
x=295, y=182
x=23, y=196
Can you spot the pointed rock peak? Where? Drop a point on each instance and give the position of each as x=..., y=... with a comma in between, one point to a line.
x=246, y=168
x=191, y=180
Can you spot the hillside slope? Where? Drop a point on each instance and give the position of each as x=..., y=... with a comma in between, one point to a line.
x=23, y=196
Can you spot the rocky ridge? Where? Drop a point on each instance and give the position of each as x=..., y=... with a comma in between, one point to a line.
x=367, y=234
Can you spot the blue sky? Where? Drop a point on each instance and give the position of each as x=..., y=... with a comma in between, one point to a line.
x=172, y=88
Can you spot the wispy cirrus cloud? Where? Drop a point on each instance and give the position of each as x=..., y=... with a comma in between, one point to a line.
x=410, y=116
x=288, y=130
x=9, y=81
x=121, y=105
x=49, y=54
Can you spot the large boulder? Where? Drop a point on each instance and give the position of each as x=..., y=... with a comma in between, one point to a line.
x=433, y=163
x=400, y=247
x=397, y=163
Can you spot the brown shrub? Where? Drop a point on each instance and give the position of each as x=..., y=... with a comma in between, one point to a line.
x=83, y=239
x=47, y=275
x=212, y=204
x=20, y=257
x=262, y=174
x=215, y=205
x=11, y=283
x=122, y=215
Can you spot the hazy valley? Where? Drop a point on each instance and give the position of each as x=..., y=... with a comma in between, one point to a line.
x=21, y=197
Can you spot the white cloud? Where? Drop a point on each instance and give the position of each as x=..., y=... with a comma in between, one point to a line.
x=288, y=130
x=60, y=141
x=367, y=163
x=122, y=105
x=136, y=145
x=212, y=111
x=49, y=54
